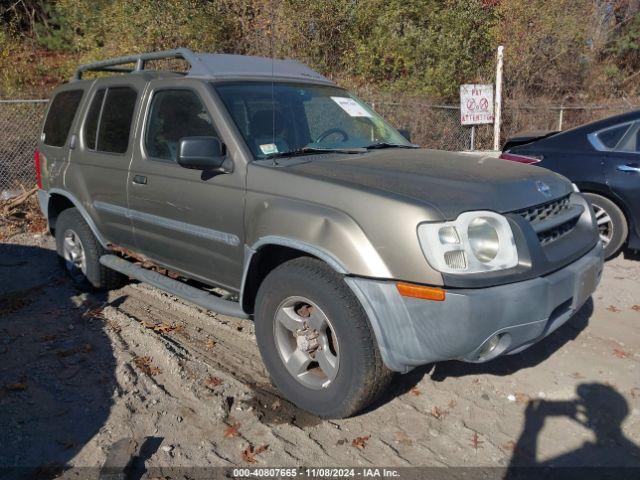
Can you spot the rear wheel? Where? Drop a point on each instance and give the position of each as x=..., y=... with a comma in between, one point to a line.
x=315, y=340
x=80, y=253
x=612, y=224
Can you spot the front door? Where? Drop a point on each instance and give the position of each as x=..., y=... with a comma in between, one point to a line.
x=187, y=220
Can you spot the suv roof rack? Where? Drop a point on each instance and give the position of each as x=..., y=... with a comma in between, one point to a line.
x=210, y=65
x=112, y=64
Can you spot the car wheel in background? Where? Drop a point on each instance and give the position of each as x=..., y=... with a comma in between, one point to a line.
x=316, y=341
x=80, y=253
x=612, y=224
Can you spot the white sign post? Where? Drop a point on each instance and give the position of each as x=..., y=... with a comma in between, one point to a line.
x=476, y=107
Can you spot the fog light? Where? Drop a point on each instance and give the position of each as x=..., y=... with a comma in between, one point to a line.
x=489, y=346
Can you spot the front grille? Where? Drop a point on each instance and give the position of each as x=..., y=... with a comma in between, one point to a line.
x=543, y=219
x=554, y=234
x=542, y=212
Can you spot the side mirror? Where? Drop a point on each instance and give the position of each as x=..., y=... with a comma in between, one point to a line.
x=406, y=133
x=203, y=153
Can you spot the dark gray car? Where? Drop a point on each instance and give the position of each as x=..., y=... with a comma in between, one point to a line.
x=356, y=252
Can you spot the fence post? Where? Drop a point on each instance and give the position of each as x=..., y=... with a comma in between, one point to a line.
x=560, y=118
x=498, y=104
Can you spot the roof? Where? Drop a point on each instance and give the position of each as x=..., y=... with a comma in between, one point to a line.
x=210, y=65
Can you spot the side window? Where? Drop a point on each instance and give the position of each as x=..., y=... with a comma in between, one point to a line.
x=91, y=123
x=115, y=122
x=610, y=137
x=175, y=114
x=60, y=117
x=631, y=142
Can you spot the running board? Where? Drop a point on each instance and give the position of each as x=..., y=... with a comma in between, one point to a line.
x=175, y=287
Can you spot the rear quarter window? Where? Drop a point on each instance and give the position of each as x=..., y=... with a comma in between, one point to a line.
x=60, y=117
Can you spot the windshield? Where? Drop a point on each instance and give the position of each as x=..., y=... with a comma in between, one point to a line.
x=285, y=117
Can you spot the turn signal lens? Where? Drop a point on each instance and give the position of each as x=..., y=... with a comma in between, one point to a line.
x=420, y=291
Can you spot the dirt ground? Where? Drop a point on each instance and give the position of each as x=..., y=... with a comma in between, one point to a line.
x=90, y=378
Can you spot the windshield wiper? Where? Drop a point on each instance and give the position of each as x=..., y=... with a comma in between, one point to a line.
x=311, y=150
x=390, y=145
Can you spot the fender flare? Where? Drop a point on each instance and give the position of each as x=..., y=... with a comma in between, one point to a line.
x=320, y=253
x=85, y=215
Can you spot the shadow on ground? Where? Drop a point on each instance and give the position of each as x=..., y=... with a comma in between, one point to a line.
x=57, y=369
x=597, y=407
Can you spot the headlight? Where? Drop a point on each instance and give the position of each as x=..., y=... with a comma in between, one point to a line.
x=474, y=242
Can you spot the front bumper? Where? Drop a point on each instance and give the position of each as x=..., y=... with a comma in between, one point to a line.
x=412, y=332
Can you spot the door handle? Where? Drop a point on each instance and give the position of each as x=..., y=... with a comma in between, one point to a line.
x=628, y=168
x=140, y=179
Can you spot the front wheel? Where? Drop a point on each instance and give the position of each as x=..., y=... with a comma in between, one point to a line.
x=316, y=341
x=612, y=224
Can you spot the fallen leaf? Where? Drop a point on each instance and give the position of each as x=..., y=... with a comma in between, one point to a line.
x=95, y=312
x=210, y=344
x=402, y=438
x=452, y=404
x=15, y=387
x=360, y=442
x=276, y=404
x=88, y=348
x=415, y=392
x=577, y=375
x=438, y=412
x=475, y=441
x=144, y=364
x=636, y=308
x=232, y=431
x=249, y=453
x=619, y=353
x=635, y=392
x=613, y=309
x=522, y=397
x=213, y=382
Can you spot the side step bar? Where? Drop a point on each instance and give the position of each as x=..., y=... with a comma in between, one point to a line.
x=175, y=287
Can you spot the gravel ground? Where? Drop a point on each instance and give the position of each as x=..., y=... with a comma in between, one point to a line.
x=88, y=378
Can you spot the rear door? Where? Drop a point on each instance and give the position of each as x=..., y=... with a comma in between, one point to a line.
x=187, y=220
x=100, y=159
x=622, y=171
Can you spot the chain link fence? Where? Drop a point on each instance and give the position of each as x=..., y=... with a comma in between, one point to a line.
x=20, y=122
x=432, y=126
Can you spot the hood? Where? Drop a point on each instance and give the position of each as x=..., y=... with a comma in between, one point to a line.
x=451, y=182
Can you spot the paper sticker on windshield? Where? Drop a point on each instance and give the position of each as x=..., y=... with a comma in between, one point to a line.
x=269, y=148
x=350, y=106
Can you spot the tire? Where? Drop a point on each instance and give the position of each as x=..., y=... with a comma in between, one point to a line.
x=71, y=227
x=361, y=376
x=611, y=222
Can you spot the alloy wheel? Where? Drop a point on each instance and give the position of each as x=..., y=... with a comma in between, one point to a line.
x=306, y=342
x=74, y=255
x=605, y=224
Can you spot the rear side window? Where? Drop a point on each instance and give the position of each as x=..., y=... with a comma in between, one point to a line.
x=60, y=117
x=611, y=136
x=631, y=142
x=108, y=123
x=91, y=124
